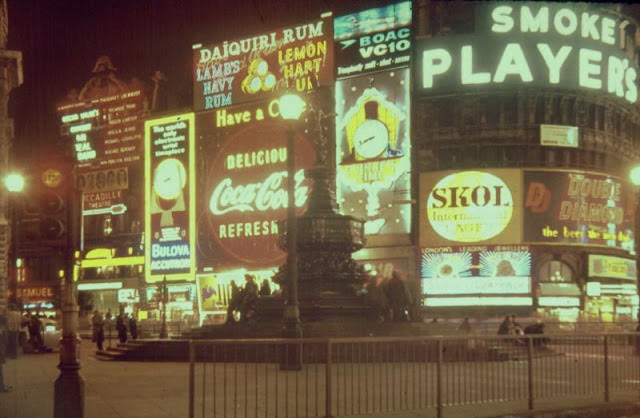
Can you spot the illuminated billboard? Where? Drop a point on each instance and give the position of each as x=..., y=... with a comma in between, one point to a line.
x=242, y=191
x=576, y=207
x=373, y=151
x=538, y=45
x=170, y=198
x=373, y=40
x=612, y=267
x=263, y=66
x=106, y=130
x=502, y=269
x=474, y=206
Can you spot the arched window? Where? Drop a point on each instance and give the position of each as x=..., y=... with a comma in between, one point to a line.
x=555, y=271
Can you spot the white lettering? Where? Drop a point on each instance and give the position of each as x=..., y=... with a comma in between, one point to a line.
x=434, y=61
x=503, y=22
x=554, y=63
x=588, y=68
x=513, y=62
x=256, y=197
x=468, y=77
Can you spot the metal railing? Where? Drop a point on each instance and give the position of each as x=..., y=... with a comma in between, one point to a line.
x=355, y=376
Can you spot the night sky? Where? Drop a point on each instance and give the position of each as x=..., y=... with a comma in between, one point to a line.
x=61, y=39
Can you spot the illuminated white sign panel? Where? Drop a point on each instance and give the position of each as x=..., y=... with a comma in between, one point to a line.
x=612, y=267
x=477, y=285
x=476, y=270
x=479, y=301
x=531, y=44
x=559, y=136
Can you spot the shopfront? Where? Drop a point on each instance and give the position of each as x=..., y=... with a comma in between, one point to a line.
x=38, y=297
x=612, y=291
x=111, y=280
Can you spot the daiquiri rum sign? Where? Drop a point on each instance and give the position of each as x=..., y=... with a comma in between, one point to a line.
x=244, y=186
x=258, y=67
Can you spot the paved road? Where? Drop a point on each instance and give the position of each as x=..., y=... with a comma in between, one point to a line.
x=160, y=390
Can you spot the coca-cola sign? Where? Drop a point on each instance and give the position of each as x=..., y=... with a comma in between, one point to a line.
x=246, y=193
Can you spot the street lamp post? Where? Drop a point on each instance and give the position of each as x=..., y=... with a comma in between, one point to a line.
x=14, y=183
x=164, y=298
x=69, y=387
x=291, y=108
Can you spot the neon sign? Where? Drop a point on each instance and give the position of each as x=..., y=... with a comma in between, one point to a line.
x=244, y=193
x=106, y=130
x=170, y=196
x=539, y=45
x=259, y=67
x=576, y=207
x=373, y=40
x=503, y=269
x=373, y=151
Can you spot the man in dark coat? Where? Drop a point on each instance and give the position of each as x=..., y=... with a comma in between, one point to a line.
x=3, y=347
x=121, y=328
x=133, y=327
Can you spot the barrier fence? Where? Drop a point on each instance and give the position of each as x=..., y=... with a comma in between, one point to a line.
x=355, y=376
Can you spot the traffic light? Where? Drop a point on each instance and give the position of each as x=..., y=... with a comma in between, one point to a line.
x=44, y=214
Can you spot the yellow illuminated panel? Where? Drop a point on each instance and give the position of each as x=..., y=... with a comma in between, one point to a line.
x=476, y=206
x=117, y=261
x=170, y=165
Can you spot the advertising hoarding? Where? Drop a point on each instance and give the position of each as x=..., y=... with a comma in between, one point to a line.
x=503, y=269
x=373, y=154
x=552, y=45
x=475, y=206
x=373, y=40
x=209, y=293
x=576, y=207
x=170, y=198
x=612, y=267
x=106, y=130
x=263, y=66
x=242, y=192
x=559, y=136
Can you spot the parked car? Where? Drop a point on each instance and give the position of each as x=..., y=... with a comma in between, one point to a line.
x=51, y=333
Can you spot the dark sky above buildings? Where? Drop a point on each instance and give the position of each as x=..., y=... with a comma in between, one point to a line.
x=61, y=40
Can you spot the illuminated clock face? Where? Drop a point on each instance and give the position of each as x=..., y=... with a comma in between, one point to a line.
x=371, y=139
x=169, y=179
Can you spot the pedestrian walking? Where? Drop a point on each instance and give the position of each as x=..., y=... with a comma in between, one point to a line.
x=121, y=328
x=133, y=327
x=3, y=345
x=398, y=296
x=13, y=331
x=35, y=333
x=97, y=324
x=465, y=326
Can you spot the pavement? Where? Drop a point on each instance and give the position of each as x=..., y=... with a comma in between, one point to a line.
x=160, y=390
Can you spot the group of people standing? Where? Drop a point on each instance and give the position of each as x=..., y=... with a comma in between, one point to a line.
x=122, y=321
x=243, y=300
x=390, y=298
